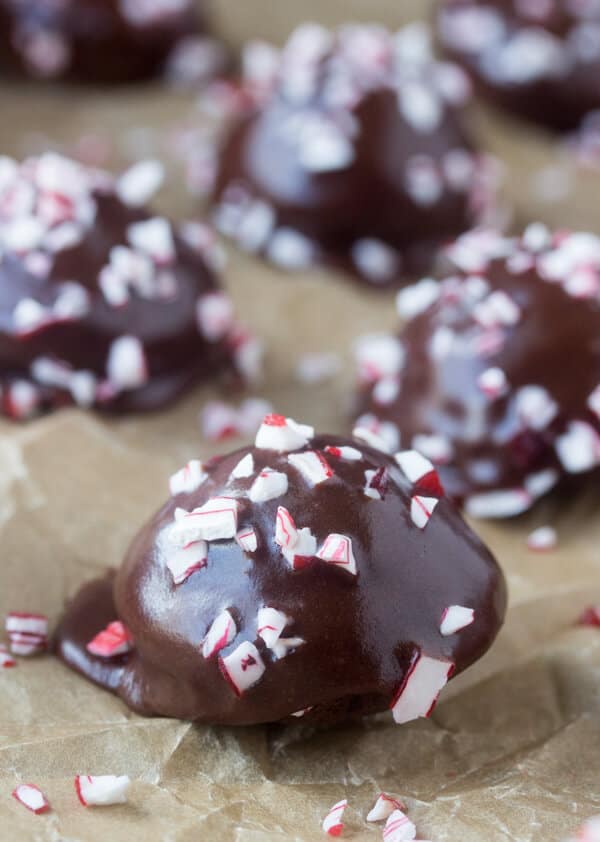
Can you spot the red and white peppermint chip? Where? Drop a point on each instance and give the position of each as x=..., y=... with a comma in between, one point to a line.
x=21, y=400
x=378, y=356
x=268, y=485
x=271, y=624
x=399, y=828
x=6, y=660
x=126, y=366
x=215, y=316
x=312, y=465
x=183, y=561
x=222, y=631
x=244, y=468
x=348, y=454
x=301, y=550
x=282, y=434
x=23, y=623
x=373, y=438
x=337, y=550
x=214, y=521
x=102, y=790
x=420, y=689
x=332, y=823
x=112, y=641
x=493, y=382
x=535, y=407
x=247, y=539
x=590, y=617
x=243, y=668
x=504, y=503
x=383, y=808
x=286, y=534
x=415, y=299
x=219, y=421
x=32, y=797
x=188, y=479
x=376, y=483
x=437, y=448
x=153, y=237
x=579, y=448
x=498, y=309
x=137, y=185
x=455, y=618
x=421, y=509
x=419, y=471
x=589, y=831
x=542, y=539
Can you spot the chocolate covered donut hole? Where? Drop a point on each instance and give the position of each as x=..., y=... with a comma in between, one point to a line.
x=102, y=303
x=540, y=60
x=356, y=154
x=496, y=376
x=307, y=576
x=101, y=41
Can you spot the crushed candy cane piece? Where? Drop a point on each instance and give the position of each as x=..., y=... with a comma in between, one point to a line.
x=215, y=315
x=112, y=641
x=337, y=550
x=455, y=618
x=183, y=561
x=301, y=552
x=219, y=421
x=420, y=689
x=6, y=660
x=243, y=668
x=419, y=471
x=244, y=468
x=268, y=485
x=376, y=483
x=32, y=797
x=312, y=465
x=589, y=831
x=282, y=434
x=505, y=503
x=399, y=828
x=493, y=382
x=153, y=237
x=102, y=790
x=590, y=617
x=436, y=448
x=371, y=438
x=579, y=448
x=215, y=520
x=286, y=534
x=415, y=299
x=222, y=631
x=541, y=539
x=247, y=539
x=23, y=623
x=332, y=823
x=348, y=454
x=140, y=183
x=126, y=366
x=383, y=808
x=271, y=624
x=421, y=509
x=188, y=479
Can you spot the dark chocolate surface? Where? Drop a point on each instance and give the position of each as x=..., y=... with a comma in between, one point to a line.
x=102, y=41
x=161, y=316
x=361, y=632
x=538, y=60
x=370, y=178
x=505, y=441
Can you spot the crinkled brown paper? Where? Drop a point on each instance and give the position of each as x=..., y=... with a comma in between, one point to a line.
x=513, y=751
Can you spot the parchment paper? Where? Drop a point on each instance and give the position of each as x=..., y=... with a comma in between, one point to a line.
x=513, y=751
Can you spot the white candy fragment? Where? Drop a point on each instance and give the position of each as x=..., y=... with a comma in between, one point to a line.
x=153, y=237
x=102, y=790
x=243, y=668
x=32, y=797
x=579, y=448
x=184, y=561
x=435, y=447
x=415, y=299
x=375, y=484
x=383, y=808
x=282, y=434
x=421, y=509
x=372, y=439
x=378, y=356
x=126, y=366
x=221, y=633
x=188, y=479
x=112, y=641
x=542, y=539
x=492, y=504
x=140, y=182
x=348, y=454
x=298, y=546
x=268, y=485
x=535, y=407
x=28, y=633
x=244, y=468
x=413, y=465
x=399, y=828
x=420, y=689
x=271, y=624
x=214, y=521
x=455, y=618
x=493, y=382
x=286, y=534
x=312, y=465
x=593, y=402
x=337, y=550
x=247, y=539
x=6, y=660
x=215, y=316
x=332, y=823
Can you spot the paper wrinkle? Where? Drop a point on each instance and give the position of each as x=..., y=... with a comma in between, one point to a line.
x=513, y=750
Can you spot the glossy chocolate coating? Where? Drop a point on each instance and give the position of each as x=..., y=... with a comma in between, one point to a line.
x=361, y=632
x=91, y=40
x=176, y=353
x=552, y=76
x=389, y=191
x=505, y=440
